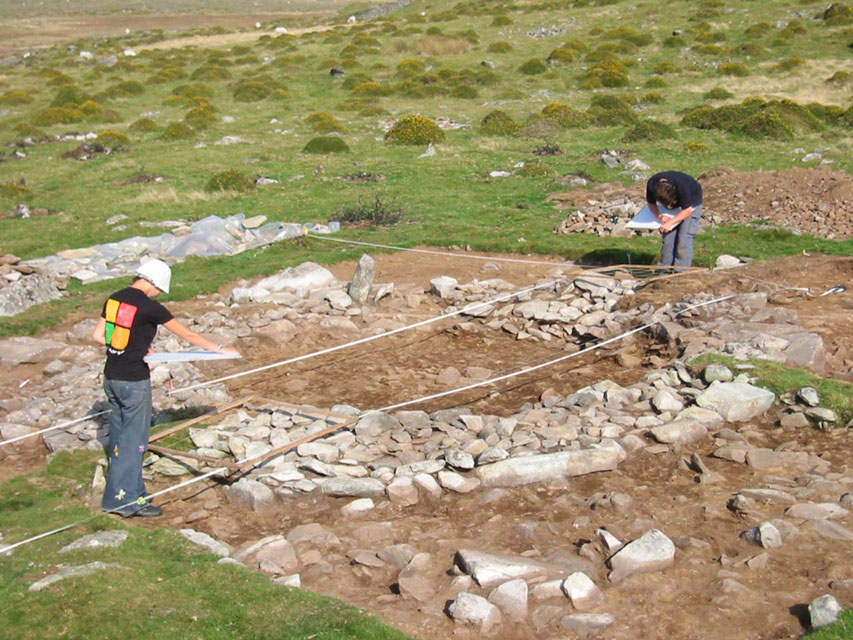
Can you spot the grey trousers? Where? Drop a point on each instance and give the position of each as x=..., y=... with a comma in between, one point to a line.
x=677, y=250
x=129, y=429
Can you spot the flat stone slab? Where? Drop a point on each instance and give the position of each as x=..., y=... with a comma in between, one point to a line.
x=25, y=350
x=113, y=538
x=653, y=551
x=736, y=401
x=490, y=570
x=203, y=540
x=541, y=468
x=73, y=572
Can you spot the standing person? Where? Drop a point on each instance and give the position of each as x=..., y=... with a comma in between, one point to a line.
x=127, y=327
x=681, y=197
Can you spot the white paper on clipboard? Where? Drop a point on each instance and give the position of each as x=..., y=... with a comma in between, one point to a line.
x=188, y=356
x=647, y=221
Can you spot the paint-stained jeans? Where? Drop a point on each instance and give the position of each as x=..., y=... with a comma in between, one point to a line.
x=678, y=244
x=130, y=427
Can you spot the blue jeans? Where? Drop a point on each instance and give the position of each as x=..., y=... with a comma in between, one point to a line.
x=129, y=429
x=677, y=247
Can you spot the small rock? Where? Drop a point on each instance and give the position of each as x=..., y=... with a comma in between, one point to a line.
x=469, y=608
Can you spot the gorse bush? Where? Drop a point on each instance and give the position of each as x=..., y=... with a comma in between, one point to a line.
x=28, y=130
x=498, y=123
x=57, y=115
x=533, y=67
x=324, y=145
x=324, y=122
x=536, y=170
x=649, y=130
x=718, y=93
x=376, y=212
x=734, y=69
x=756, y=118
x=69, y=96
x=414, y=130
x=499, y=46
x=144, y=125
x=113, y=140
x=564, y=116
x=230, y=180
x=177, y=131
x=251, y=91
x=211, y=72
x=200, y=117
x=15, y=98
x=14, y=191
x=193, y=90
x=609, y=110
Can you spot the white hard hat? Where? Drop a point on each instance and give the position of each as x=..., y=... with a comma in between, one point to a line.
x=157, y=273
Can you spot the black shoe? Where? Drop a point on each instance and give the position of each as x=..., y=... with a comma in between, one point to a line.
x=148, y=511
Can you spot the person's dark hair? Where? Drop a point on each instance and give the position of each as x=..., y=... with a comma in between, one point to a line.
x=667, y=194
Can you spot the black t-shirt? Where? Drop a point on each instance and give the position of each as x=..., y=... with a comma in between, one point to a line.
x=132, y=319
x=689, y=189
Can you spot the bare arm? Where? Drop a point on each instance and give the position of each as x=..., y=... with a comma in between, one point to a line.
x=672, y=222
x=184, y=332
x=99, y=335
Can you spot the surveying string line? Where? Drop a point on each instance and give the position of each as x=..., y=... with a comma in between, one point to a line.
x=467, y=309
x=439, y=253
x=539, y=366
x=54, y=428
x=245, y=461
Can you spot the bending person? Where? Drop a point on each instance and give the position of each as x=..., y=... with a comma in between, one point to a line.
x=127, y=327
x=675, y=199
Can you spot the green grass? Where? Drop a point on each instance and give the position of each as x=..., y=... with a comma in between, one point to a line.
x=841, y=630
x=167, y=588
x=781, y=380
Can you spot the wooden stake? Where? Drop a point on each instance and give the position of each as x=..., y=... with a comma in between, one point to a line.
x=180, y=427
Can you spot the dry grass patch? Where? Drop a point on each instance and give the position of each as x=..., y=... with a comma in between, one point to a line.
x=168, y=195
x=439, y=45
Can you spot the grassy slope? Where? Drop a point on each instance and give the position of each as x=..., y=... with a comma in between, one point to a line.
x=166, y=588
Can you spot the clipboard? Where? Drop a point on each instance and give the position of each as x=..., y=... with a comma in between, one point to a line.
x=647, y=221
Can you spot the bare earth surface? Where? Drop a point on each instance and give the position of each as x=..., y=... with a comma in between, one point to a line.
x=814, y=201
x=685, y=601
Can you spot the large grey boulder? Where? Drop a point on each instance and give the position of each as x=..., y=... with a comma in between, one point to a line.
x=359, y=288
x=250, y=494
x=26, y=292
x=490, y=569
x=511, y=597
x=582, y=591
x=472, y=609
x=681, y=432
x=549, y=466
x=653, y=551
x=300, y=279
x=736, y=401
x=824, y=610
x=272, y=555
x=806, y=350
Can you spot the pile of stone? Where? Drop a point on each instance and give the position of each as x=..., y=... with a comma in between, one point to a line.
x=603, y=218
x=21, y=286
x=568, y=312
x=411, y=457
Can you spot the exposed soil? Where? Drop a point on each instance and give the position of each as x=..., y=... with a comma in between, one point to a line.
x=814, y=201
x=685, y=601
